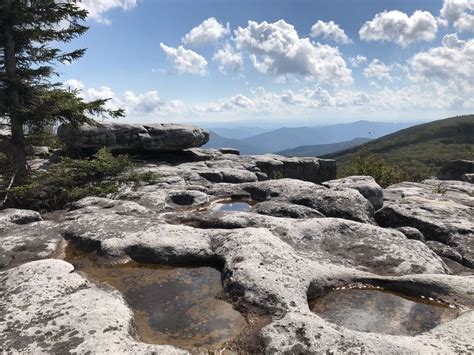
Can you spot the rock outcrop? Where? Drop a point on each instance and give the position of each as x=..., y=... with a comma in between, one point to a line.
x=121, y=137
x=455, y=170
x=296, y=241
x=442, y=213
x=366, y=185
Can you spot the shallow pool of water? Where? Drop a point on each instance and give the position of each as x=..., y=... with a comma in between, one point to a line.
x=230, y=205
x=180, y=306
x=377, y=311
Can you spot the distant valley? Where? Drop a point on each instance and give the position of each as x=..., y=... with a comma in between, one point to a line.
x=285, y=138
x=322, y=149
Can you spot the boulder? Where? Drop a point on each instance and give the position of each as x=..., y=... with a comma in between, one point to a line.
x=282, y=209
x=307, y=169
x=341, y=203
x=18, y=216
x=440, y=214
x=47, y=308
x=411, y=233
x=229, y=151
x=366, y=185
x=468, y=178
x=454, y=170
x=121, y=137
x=28, y=242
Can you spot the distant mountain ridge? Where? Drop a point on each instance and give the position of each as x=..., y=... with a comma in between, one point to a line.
x=322, y=149
x=292, y=137
x=420, y=150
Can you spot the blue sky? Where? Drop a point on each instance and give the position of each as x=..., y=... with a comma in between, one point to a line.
x=289, y=61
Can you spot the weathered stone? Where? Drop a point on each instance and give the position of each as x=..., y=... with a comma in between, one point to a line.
x=307, y=169
x=132, y=137
x=40, y=151
x=189, y=198
x=454, y=170
x=11, y=216
x=282, y=209
x=366, y=185
x=47, y=308
x=444, y=251
x=28, y=242
x=236, y=176
x=444, y=216
x=229, y=151
x=341, y=203
x=468, y=178
x=411, y=233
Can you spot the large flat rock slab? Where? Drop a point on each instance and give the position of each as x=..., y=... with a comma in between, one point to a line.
x=45, y=307
x=441, y=210
x=122, y=137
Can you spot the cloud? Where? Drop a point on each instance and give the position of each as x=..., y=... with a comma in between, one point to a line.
x=331, y=31
x=358, y=60
x=453, y=61
x=185, y=60
x=228, y=60
x=97, y=8
x=277, y=49
x=145, y=103
x=136, y=104
x=378, y=70
x=208, y=32
x=398, y=27
x=460, y=13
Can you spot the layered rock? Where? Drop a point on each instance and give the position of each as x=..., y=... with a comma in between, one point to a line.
x=298, y=240
x=442, y=213
x=121, y=137
x=454, y=170
x=366, y=185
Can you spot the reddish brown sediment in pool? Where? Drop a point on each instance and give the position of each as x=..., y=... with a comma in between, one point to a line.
x=378, y=311
x=179, y=306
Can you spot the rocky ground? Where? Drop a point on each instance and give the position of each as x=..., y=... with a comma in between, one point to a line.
x=305, y=234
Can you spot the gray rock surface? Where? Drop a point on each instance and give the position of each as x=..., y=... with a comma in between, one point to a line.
x=282, y=209
x=287, y=248
x=366, y=185
x=47, y=308
x=411, y=233
x=454, y=170
x=444, y=217
x=124, y=137
x=22, y=243
x=468, y=178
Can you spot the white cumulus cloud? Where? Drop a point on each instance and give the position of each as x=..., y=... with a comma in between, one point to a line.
x=331, y=31
x=358, y=60
x=229, y=60
x=396, y=26
x=460, y=13
x=98, y=8
x=453, y=61
x=276, y=48
x=208, y=32
x=185, y=60
x=378, y=70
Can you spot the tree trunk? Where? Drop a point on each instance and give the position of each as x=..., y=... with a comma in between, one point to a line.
x=17, y=149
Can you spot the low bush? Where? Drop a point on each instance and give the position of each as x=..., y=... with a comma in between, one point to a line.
x=384, y=174
x=70, y=180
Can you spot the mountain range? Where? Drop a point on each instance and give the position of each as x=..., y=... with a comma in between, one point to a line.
x=291, y=137
x=419, y=150
x=322, y=149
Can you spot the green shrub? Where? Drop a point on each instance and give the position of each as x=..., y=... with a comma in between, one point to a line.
x=440, y=189
x=276, y=175
x=70, y=180
x=384, y=174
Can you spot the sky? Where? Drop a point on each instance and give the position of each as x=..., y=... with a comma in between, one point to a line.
x=288, y=61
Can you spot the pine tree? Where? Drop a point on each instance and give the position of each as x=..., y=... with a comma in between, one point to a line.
x=28, y=97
